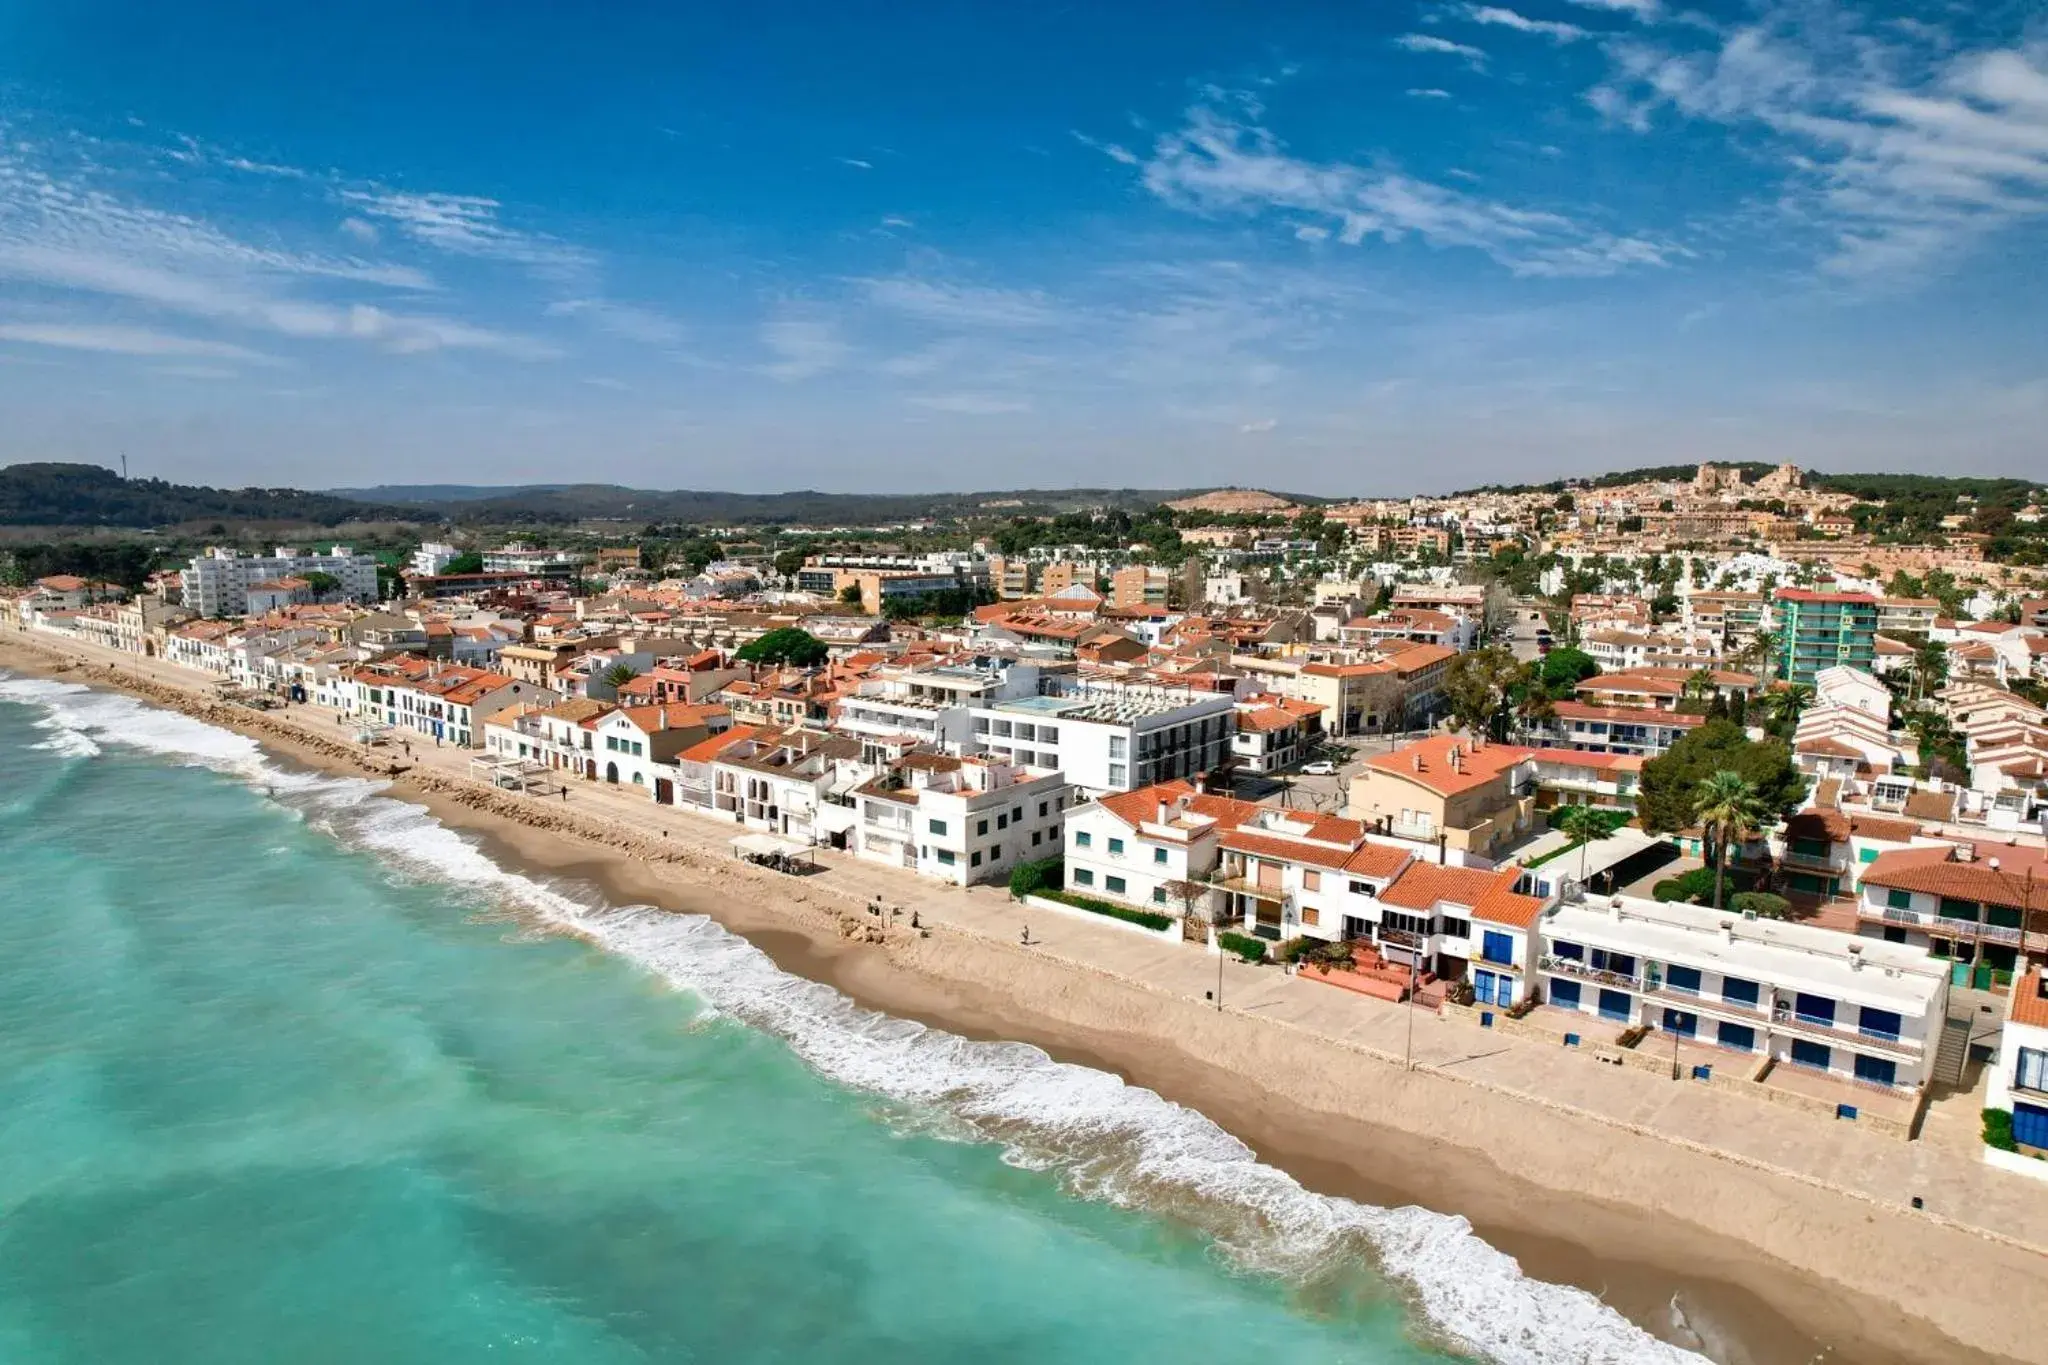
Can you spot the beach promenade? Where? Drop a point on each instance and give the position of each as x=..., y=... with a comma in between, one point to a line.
x=1854, y=1177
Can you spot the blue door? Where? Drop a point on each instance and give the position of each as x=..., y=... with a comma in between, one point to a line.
x=1496, y=947
x=2030, y=1125
x=1817, y=1008
x=1482, y=987
x=1685, y=979
x=1564, y=994
x=1876, y=1070
x=1880, y=1023
x=1810, y=1054
x=1683, y=1024
x=1741, y=1037
x=1614, y=1005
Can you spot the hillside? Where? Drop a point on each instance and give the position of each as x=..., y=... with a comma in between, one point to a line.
x=87, y=495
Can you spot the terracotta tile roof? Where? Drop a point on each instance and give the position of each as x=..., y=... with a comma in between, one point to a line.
x=1629, y=715
x=1829, y=748
x=704, y=751
x=1581, y=758
x=2029, y=1003
x=1935, y=872
x=1285, y=850
x=1503, y=905
x=1137, y=807
x=1377, y=860
x=1262, y=718
x=1427, y=763
x=1924, y=805
x=1827, y=824
x=1422, y=886
x=1878, y=827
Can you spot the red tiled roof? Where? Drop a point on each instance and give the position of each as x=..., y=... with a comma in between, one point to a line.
x=1632, y=715
x=1136, y=807
x=1935, y=872
x=1427, y=763
x=1581, y=758
x=2029, y=1004
x=704, y=751
x=1489, y=895
x=1286, y=850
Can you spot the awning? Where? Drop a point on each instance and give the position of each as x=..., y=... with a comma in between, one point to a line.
x=835, y=819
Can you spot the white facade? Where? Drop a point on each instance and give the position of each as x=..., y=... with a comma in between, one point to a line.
x=963, y=820
x=1110, y=738
x=217, y=583
x=431, y=558
x=1855, y=1008
x=2018, y=1082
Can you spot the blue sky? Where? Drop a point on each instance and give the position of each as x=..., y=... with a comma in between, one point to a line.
x=1360, y=248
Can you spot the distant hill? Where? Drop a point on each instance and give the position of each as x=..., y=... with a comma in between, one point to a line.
x=1752, y=470
x=87, y=495
x=440, y=492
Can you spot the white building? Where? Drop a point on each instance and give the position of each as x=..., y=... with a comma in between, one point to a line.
x=518, y=558
x=217, y=583
x=1144, y=847
x=2019, y=1078
x=931, y=706
x=1855, y=1008
x=961, y=820
x=1110, y=737
x=431, y=559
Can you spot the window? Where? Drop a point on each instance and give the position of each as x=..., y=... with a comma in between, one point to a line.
x=1955, y=909
x=1570, y=952
x=1002, y=820
x=1159, y=856
x=1118, y=775
x=974, y=861
x=1311, y=915
x=1564, y=994
x=1016, y=814
x=1879, y=1023
x=1497, y=947
x=1868, y=855
x=937, y=826
x=2032, y=1071
x=1896, y=899
x=980, y=827
x=1815, y=1008
x=1686, y=979
x=1741, y=1037
x=1084, y=876
x=1457, y=928
x=1036, y=835
x=1876, y=1070
x=1113, y=885
x=1041, y=810
x=945, y=857
x=1159, y=895
x=1810, y=1054
x=1311, y=880
x=1116, y=847
x=1736, y=991
x=1362, y=889
x=1083, y=839
x=995, y=852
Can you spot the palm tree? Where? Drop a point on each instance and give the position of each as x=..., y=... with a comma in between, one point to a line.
x=1784, y=705
x=1582, y=825
x=1762, y=650
x=618, y=675
x=1728, y=808
x=1699, y=685
x=1930, y=667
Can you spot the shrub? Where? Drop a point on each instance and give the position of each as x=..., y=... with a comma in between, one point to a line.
x=1764, y=904
x=1244, y=945
x=1295, y=949
x=1998, y=1130
x=1144, y=918
x=1698, y=886
x=1029, y=879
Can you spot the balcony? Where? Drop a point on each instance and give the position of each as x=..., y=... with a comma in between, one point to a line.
x=1571, y=966
x=1833, y=1031
x=1942, y=925
x=1693, y=1000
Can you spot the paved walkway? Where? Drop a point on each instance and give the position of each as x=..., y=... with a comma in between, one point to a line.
x=1945, y=1172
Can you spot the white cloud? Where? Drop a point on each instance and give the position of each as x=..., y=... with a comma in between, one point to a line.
x=1430, y=94
x=969, y=404
x=1114, y=151
x=1900, y=152
x=855, y=162
x=897, y=220
x=623, y=320
x=468, y=225
x=1260, y=427
x=1642, y=10
x=1429, y=42
x=803, y=348
x=1217, y=164
x=362, y=229
x=1506, y=18
x=963, y=305
x=116, y=339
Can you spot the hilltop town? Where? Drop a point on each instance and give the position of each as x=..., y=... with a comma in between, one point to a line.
x=1734, y=776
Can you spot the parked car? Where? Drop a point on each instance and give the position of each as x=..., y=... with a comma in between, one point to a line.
x=1322, y=767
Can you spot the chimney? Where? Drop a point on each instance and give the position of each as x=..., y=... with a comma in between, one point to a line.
x=1992, y=864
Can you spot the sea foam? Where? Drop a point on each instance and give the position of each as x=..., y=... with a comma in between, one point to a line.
x=1106, y=1139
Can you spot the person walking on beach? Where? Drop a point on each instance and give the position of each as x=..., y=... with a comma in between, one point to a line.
x=1027, y=936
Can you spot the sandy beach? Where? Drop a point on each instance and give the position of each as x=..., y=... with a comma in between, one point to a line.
x=1770, y=1269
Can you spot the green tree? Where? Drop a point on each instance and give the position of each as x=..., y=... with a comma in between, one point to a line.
x=1930, y=667
x=1665, y=801
x=850, y=595
x=467, y=562
x=788, y=645
x=1564, y=668
x=618, y=675
x=321, y=582
x=1478, y=687
x=1728, y=808
x=1784, y=705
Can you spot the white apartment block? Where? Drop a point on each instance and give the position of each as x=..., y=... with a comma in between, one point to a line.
x=931, y=705
x=961, y=820
x=431, y=559
x=1144, y=847
x=1109, y=737
x=217, y=583
x=1855, y=1008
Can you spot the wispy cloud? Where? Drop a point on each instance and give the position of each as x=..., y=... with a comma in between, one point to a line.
x=1430, y=93
x=1900, y=152
x=1218, y=163
x=1429, y=42
x=1113, y=150
x=469, y=225
x=963, y=305
x=1644, y=10
x=628, y=322
x=116, y=339
x=1498, y=17
x=969, y=404
x=855, y=162
x=803, y=348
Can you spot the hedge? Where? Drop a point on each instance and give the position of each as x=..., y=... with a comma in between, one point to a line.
x=1998, y=1130
x=1244, y=945
x=1143, y=918
x=1030, y=879
x=1763, y=904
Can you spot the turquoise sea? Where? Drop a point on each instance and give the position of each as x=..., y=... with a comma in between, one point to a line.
x=289, y=1072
